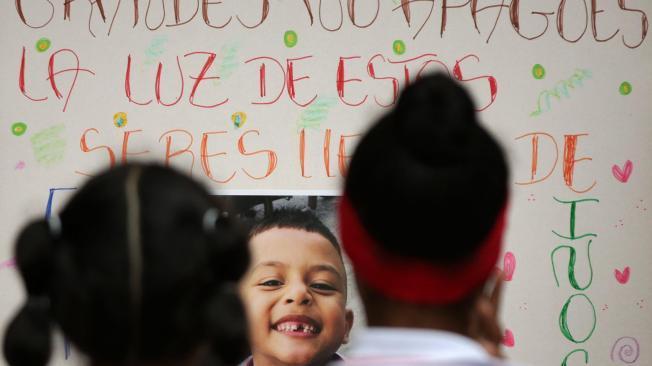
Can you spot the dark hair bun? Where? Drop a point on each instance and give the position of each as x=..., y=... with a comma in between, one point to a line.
x=33, y=253
x=427, y=180
x=432, y=119
x=27, y=340
x=28, y=337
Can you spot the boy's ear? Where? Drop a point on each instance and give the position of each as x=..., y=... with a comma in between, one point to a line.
x=349, y=325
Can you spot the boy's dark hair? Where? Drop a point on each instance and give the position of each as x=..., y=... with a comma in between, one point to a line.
x=427, y=181
x=81, y=276
x=294, y=218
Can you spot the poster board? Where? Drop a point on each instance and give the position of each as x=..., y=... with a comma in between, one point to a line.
x=270, y=97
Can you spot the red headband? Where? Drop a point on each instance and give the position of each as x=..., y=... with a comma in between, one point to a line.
x=411, y=279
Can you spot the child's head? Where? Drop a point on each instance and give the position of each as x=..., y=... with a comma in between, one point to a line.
x=140, y=266
x=425, y=194
x=295, y=291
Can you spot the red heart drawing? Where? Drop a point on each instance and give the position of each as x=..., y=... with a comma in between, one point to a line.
x=509, y=266
x=623, y=174
x=508, y=338
x=622, y=277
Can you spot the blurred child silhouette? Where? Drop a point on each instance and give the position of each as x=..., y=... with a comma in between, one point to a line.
x=422, y=218
x=139, y=268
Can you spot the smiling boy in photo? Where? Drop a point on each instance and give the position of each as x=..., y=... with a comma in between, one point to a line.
x=295, y=292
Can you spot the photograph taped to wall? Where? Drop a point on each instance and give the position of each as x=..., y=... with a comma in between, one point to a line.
x=251, y=209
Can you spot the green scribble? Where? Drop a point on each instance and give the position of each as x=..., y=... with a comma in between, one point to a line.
x=571, y=266
x=49, y=146
x=586, y=356
x=562, y=89
x=563, y=320
x=230, y=60
x=316, y=113
x=572, y=219
x=155, y=50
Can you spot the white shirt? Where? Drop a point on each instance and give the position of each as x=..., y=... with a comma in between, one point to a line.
x=410, y=346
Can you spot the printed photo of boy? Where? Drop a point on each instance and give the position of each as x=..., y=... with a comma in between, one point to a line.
x=295, y=291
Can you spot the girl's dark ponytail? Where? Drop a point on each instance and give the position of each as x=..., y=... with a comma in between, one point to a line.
x=27, y=339
x=230, y=257
x=223, y=311
x=225, y=321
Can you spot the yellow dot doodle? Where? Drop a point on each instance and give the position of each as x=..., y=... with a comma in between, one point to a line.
x=239, y=119
x=120, y=119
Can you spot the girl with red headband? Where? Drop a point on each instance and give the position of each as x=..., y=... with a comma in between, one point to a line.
x=422, y=219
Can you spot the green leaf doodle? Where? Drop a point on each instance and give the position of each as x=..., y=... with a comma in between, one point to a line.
x=49, y=146
x=155, y=50
x=316, y=113
x=229, y=61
